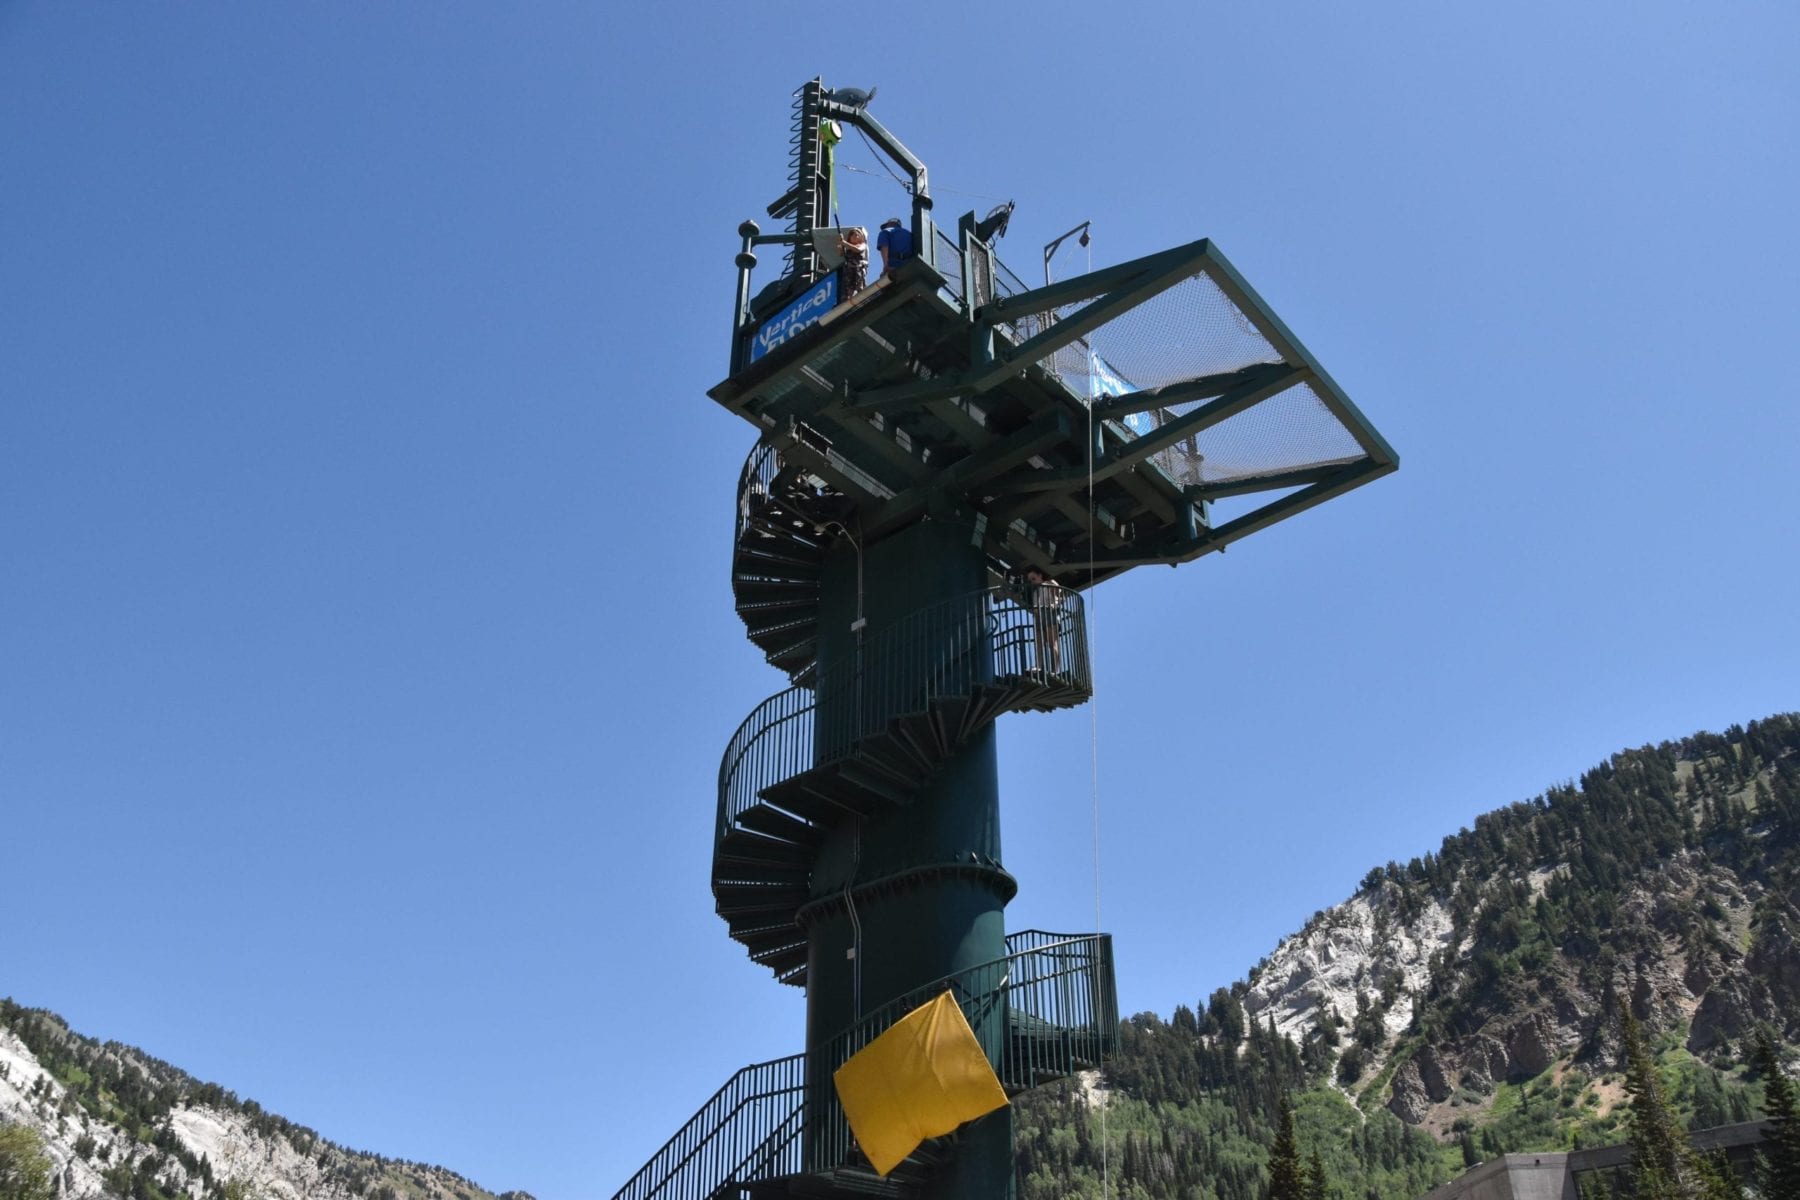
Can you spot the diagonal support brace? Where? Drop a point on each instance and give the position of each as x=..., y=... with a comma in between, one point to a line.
x=1118, y=289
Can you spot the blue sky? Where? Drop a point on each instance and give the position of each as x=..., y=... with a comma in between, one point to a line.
x=367, y=646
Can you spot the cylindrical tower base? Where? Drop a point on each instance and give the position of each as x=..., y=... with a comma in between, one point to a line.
x=915, y=892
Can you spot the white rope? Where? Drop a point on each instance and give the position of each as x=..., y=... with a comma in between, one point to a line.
x=936, y=188
x=1094, y=729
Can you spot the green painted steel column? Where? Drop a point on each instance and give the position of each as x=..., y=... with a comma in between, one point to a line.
x=924, y=877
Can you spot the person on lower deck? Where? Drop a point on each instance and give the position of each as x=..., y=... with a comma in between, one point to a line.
x=1046, y=597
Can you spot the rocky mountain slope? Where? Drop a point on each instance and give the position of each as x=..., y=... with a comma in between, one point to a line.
x=1670, y=877
x=117, y=1122
x=1465, y=1004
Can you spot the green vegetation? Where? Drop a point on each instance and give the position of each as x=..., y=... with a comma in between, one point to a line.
x=1559, y=904
x=1194, y=1107
x=24, y=1167
x=1662, y=1166
x=136, y=1095
x=1286, y=1180
x=1779, y=1173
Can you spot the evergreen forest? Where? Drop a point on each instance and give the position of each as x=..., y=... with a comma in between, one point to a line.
x=1663, y=884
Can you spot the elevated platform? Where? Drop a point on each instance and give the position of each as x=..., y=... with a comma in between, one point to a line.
x=1165, y=382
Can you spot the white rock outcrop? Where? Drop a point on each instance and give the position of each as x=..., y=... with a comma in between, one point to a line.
x=1347, y=951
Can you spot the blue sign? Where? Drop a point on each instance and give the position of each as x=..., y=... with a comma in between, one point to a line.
x=818, y=300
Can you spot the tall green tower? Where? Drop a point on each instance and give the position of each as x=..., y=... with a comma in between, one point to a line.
x=945, y=461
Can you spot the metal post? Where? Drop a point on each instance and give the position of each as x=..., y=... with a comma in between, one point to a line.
x=1050, y=248
x=746, y=262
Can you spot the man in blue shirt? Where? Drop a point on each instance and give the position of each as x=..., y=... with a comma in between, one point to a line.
x=895, y=244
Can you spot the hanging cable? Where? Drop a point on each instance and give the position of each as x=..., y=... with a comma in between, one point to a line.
x=905, y=183
x=1094, y=712
x=936, y=188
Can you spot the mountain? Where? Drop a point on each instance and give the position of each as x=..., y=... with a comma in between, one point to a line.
x=1464, y=1004
x=1456, y=1007
x=117, y=1122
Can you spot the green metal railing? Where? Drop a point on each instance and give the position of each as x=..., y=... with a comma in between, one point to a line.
x=723, y=1139
x=943, y=651
x=1045, y=1011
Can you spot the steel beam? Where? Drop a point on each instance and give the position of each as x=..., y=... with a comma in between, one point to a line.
x=971, y=471
x=1118, y=289
x=1203, y=387
x=1139, y=448
x=1189, y=549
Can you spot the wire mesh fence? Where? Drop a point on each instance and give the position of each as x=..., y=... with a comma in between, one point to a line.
x=1186, y=332
x=948, y=261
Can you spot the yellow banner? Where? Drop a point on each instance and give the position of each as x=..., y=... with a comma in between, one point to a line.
x=921, y=1079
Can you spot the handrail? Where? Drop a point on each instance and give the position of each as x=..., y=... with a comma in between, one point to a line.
x=1045, y=1009
x=712, y=1144
x=901, y=670
x=1017, y=989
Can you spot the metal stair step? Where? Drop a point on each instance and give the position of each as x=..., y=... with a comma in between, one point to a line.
x=727, y=870
x=897, y=756
x=765, y=588
x=766, y=819
x=794, y=656
x=769, y=940
x=747, y=901
x=876, y=780
x=757, y=849
x=823, y=791
x=784, y=629
x=786, y=553
x=784, y=958
x=785, y=525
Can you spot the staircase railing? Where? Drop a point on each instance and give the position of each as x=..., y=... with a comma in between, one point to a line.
x=901, y=670
x=802, y=494
x=725, y=1134
x=1045, y=1011
x=1048, y=1009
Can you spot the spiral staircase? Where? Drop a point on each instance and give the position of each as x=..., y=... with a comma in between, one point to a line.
x=915, y=692
x=919, y=690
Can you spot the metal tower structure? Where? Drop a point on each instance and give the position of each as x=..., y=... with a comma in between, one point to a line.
x=922, y=447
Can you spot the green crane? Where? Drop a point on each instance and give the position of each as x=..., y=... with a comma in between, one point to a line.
x=945, y=460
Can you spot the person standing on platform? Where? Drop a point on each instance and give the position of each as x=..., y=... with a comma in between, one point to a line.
x=895, y=243
x=1046, y=614
x=853, y=275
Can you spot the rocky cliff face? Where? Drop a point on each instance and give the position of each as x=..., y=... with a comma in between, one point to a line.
x=1346, y=957
x=119, y=1123
x=1437, y=983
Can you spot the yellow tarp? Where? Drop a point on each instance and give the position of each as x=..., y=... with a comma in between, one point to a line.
x=922, y=1078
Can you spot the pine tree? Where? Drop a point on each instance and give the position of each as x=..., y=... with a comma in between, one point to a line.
x=1318, y=1186
x=1717, y=1181
x=1779, y=1173
x=1661, y=1161
x=1285, y=1181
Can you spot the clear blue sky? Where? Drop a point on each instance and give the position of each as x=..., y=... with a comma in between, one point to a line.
x=366, y=649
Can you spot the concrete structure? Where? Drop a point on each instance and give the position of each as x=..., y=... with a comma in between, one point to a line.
x=1560, y=1175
